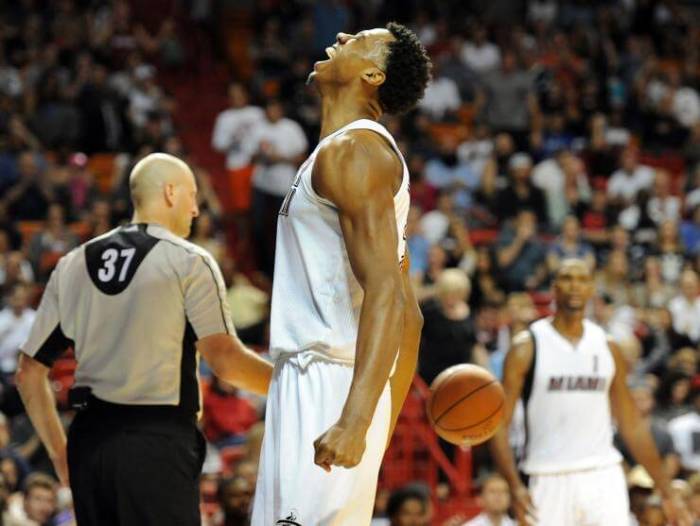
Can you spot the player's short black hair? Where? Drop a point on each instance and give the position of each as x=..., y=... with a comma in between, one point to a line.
x=407, y=71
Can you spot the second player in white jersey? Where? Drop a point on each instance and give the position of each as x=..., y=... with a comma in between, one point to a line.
x=573, y=381
x=570, y=390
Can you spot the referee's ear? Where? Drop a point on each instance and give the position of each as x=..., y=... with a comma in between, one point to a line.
x=169, y=194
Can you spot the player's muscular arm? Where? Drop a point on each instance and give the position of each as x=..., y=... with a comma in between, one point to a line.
x=359, y=174
x=517, y=364
x=408, y=350
x=640, y=442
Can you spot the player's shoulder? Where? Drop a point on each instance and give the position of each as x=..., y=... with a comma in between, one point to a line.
x=522, y=350
x=522, y=340
x=358, y=144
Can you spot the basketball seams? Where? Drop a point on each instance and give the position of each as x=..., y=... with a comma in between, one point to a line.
x=452, y=430
x=460, y=400
x=436, y=388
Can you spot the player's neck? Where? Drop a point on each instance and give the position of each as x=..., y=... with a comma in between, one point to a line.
x=495, y=518
x=341, y=107
x=569, y=324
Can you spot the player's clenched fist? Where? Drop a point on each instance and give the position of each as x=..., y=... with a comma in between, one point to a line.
x=340, y=446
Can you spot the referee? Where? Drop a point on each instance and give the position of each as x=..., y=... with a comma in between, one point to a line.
x=137, y=304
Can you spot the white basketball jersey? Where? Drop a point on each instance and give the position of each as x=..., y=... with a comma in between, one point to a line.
x=567, y=405
x=316, y=299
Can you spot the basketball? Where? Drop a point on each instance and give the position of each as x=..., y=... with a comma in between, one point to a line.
x=465, y=406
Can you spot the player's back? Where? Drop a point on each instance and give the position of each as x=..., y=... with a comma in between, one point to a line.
x=124, y=301
x=316, y=299
x=566, y=399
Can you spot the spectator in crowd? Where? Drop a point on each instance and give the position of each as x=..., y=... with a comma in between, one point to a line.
x=479, y=54
x=495, y=502
x=235, y=496
x=418, y=245
x=28, y=199
x=690, y=232
x=508, y=99
x=234, y=136
x=662, y=206
x=204, y=235
x=442, y=96
x=521, y=193
x=448, y=336
x=570, y=245
x=643, y=396
x=14, y=269
x=281, y=145
x=484, y=211
x=685, y=307
x=613, y=279
x=16, y=320
x=521, y=255
x=557, y=177
x=249, y=304
x=518, y=314
x=39, y=503
x=486, y=287
x=652, y=292
x=227, y=415
x=52, y=242
x=684, y=429
x=669, y=250
x=406, y=507
x=629, y=179
x=596, y=217
x=477, y=150
x=446, y=173
x=673, y=396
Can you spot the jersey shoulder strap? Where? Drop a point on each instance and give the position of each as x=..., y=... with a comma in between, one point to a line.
x=112, y=260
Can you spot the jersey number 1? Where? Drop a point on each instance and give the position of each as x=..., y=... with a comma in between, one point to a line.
x=109, y=258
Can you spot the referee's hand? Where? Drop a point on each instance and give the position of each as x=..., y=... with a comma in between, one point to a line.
x=60, y=464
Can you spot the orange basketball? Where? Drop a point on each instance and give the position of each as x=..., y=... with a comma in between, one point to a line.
x=466, y=404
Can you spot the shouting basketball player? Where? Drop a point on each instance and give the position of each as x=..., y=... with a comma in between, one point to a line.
x=572, y=378
x=345, y=324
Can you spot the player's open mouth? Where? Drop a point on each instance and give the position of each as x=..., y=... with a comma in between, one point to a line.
x=331, y=52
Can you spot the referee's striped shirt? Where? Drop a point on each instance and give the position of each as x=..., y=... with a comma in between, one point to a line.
x=132, y=303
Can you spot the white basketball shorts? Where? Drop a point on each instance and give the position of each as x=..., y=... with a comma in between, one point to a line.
x=306, y=397
x=596, y=497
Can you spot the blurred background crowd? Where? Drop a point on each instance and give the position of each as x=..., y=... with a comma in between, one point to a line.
x=551, y=129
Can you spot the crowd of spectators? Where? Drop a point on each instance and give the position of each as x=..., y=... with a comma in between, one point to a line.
x=550, y=130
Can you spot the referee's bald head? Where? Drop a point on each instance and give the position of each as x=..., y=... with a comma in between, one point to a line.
x=163, y=190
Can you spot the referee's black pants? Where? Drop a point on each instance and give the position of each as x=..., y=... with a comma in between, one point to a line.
x=134, y=468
